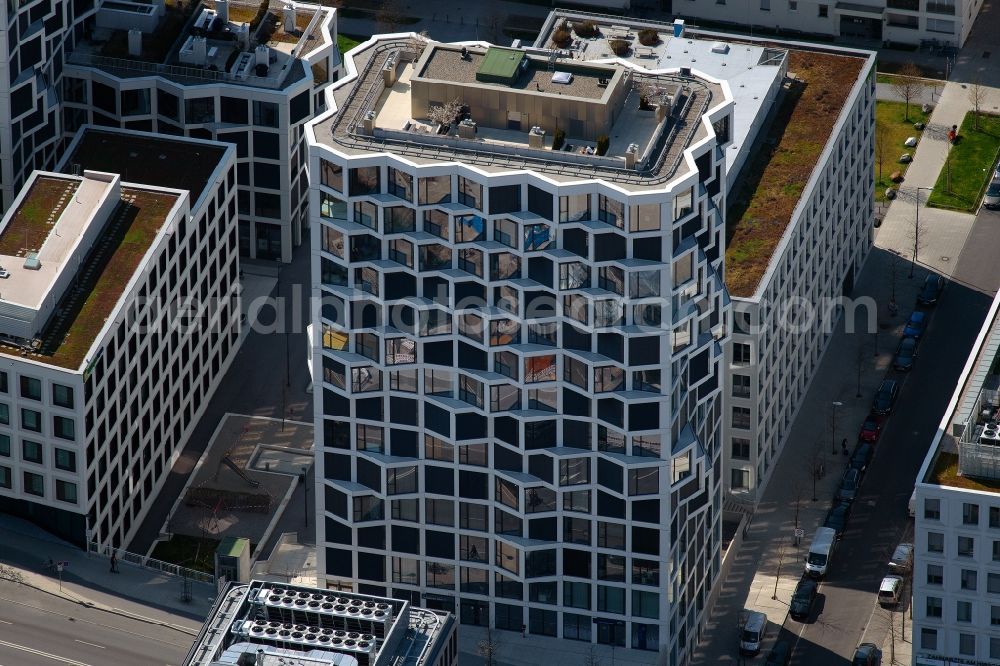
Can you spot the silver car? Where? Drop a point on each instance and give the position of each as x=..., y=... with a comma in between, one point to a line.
x=902, y=558
x=992, y=198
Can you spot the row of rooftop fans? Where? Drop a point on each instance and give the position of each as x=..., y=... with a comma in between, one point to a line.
x=324, y=603
x=301, y=634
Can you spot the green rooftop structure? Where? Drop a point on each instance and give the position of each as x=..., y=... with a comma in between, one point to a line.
x=232, y=559
x=500, y=65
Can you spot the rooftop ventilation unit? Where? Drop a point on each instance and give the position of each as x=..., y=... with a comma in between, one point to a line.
x=720, y=47
x=307, y=636
x=330, y=605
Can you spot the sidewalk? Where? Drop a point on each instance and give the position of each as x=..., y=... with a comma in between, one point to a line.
x=137, y=593
x=769, y=564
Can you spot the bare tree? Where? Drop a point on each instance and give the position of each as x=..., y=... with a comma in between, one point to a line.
x=417, y=43
x=488, y=647
x=591, y=658
x=977, y=96
x=445, y=114
x=881, y=147
x=908, y=84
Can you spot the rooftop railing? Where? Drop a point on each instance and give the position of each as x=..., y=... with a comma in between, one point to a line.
x=667, y=145
x=149, y=563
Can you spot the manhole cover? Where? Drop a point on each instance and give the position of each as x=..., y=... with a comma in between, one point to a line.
x=986, y=54
x=945, y=258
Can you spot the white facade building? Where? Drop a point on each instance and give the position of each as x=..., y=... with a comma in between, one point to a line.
x=956, y=573
x=782, y=326
x=219, y=80
x=786, y=302
x=520, y=348
x=917, y=22
x=117, y=320
x=199, y=71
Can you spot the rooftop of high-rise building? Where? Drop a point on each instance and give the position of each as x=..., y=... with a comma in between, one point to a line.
x=504, y=109
x=269, y=624
x=213, y=40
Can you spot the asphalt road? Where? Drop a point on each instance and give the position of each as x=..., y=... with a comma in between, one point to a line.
x=37, y=629
x=846, y=612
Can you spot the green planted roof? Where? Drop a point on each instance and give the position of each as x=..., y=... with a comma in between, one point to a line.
x=500, y=65
x=232, y=546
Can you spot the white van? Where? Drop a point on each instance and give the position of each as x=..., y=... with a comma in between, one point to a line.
x=889, y=591
x=752, y=635
x=820, y=551
x=911, y=507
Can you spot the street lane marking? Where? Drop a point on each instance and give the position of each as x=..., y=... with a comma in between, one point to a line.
x=90, y=644
x=54, y=657
x=5, y=622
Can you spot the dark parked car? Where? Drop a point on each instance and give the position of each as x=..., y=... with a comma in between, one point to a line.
x=870, y=430
x=931, y=291
x=779, y=654
x=863, y=453
x=848, y=489
x=906, y=354
x=916, y=324
x=885, y=397
x=867, y=654
x=837, y=518
x=803, y=598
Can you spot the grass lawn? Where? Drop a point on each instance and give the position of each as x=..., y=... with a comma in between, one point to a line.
x=759, y=211
x=945, y=472
x=892, y=116
x=972, y=160
x=187, y=551
x=347, y=42
x=69, y=339
x=30, y=225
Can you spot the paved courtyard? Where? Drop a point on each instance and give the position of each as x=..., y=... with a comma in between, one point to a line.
x=241, y=483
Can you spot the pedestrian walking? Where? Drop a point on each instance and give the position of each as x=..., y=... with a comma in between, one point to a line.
x=114, y=562
x=843, y=446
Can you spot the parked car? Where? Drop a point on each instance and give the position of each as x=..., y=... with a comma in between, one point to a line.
x=870, y=430
x=836, y=518
x=889, y=591
x=803, y=598
x=885, y=397
x=863, y=453
x=915, y=325
x=906, y=354
x=779, y=655
x=867, y=654
x=902, y=558
x=992, y=198
x=4, y=274
x=848, y=489
x=931, y=291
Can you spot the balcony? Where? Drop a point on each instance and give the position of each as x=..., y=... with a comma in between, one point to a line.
x=909, y=5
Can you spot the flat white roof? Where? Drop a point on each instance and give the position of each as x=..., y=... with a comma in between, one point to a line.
x=29, y=287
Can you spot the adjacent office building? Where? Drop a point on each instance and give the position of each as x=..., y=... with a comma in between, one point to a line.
x=956, y=573
x=935, y=23
x=209, y=70
x=520, y=344
x=265, y=624
x=802, y=227
x=118, y=317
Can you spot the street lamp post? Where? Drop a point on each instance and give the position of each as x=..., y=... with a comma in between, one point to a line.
x=833, y=426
